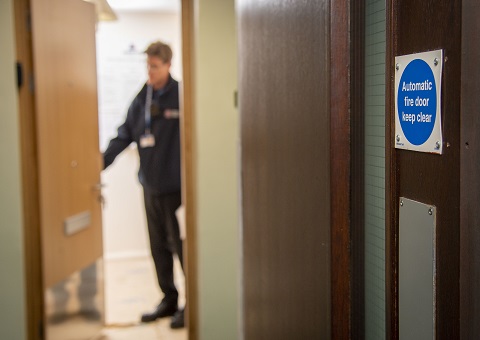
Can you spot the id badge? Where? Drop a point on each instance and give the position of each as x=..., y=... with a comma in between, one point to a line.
x=147, y=141
x=171, y=114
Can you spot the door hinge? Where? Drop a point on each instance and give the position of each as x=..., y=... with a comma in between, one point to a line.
x=19, y=75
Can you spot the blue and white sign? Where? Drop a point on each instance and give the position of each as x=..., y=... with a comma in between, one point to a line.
x=418, y=83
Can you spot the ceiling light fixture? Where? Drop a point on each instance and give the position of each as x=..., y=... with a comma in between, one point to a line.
x=103, y=10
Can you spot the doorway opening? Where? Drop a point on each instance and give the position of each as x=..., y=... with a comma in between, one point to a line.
x=131, y=286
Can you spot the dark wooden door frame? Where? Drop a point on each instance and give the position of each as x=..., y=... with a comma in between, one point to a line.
x=357, y=142
x=340, y=169
x=347, y=160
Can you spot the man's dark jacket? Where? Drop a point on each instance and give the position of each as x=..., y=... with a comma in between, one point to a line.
x=159, y=171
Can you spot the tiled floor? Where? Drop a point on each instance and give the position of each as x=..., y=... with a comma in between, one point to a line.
x=130, y=290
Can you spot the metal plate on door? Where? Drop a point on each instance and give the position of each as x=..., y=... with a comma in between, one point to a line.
x=416, y=275
x=78, y=222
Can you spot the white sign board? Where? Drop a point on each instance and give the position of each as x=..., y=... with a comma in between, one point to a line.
x=418, y=84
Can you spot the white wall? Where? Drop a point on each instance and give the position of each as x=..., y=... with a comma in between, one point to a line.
x=121, y=74
x=217, y=173
x=12, y=289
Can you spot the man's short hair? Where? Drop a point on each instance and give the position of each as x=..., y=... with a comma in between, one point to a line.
x=160, y=50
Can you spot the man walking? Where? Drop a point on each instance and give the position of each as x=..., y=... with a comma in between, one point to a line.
x=152, y=122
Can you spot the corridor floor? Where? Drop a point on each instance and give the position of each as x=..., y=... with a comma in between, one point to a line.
x=130, y=290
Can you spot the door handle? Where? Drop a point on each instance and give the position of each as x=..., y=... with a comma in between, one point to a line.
x=98, y=188
x=102, y=200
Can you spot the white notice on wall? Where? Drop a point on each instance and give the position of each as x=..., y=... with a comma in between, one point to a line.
x=119, y=80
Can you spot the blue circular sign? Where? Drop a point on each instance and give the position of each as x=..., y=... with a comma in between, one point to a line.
x=417, y=102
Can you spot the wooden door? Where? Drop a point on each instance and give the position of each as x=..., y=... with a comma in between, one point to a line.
x=293, y=233
x=469, y=173
x=413, y=27
x=67, y=136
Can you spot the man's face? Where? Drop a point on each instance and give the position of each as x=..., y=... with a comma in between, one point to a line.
x=158, y=72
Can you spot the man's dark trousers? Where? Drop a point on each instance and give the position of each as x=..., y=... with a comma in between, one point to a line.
x=165, y=239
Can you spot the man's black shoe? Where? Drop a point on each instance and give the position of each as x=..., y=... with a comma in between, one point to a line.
x=164, y=309
x=178, y=320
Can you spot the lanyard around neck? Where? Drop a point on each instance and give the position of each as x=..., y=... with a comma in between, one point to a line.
x=148, y=114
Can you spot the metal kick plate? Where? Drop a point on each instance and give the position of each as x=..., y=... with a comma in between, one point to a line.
x=417, y=223
x=75, y=307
